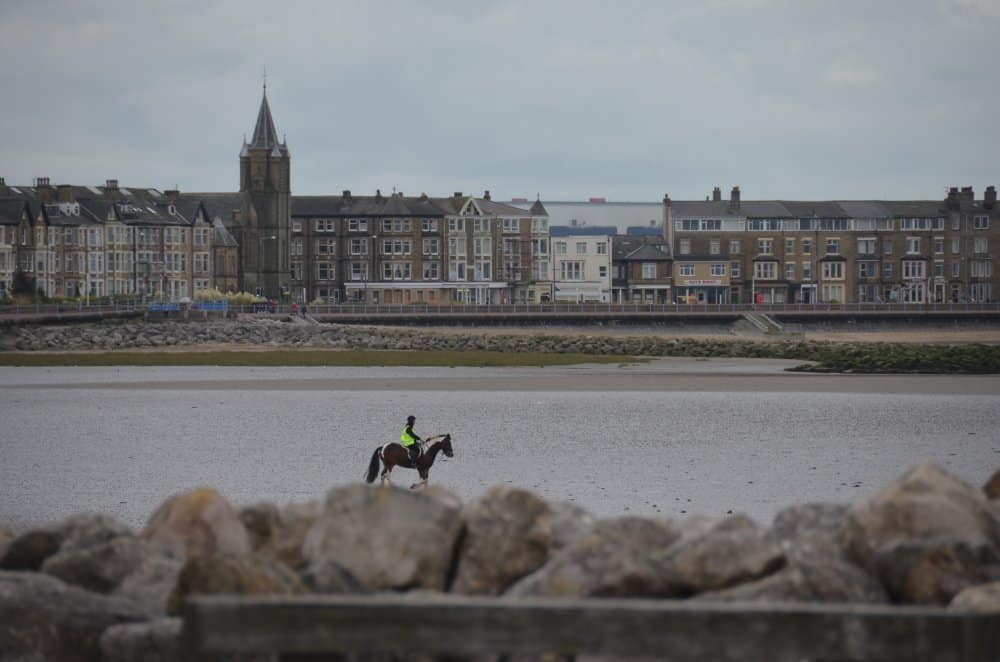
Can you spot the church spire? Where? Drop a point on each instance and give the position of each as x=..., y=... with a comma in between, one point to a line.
x=265, y=136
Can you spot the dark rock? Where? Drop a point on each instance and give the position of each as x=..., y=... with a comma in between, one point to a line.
x=100, y=567
x=150, y=584
x=42, y=618
x=246, y=575
x=30, y=549
x=992, y=486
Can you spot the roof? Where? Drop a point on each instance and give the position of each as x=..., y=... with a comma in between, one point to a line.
x=265, y=136
x=644, y=230
x=11, y=210
x=220, y=235
x=582, y=230
x=915, y=208
x=538, y=209
x=706, y=209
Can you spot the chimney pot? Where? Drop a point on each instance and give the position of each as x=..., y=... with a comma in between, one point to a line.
x=41, y=181
x=486, y=194
x=458, y=194
x=989, y=198
x=3, y=182
x=347, y=194
x=111, y=184
x=716, y=194
x=734, y=198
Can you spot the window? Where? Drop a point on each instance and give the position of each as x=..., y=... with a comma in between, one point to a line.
x=602, y=248
x=510, y=226
x=685, y=247
x=687, y=270
x=357, y=225
x=956, y=245
x=571, y=270
x=428, y=225
x=581, y=248
x=648, y=270
x=956, y=223
x=980, y=292
x=326, y=246
x=939, y=269
x=866, y=246
x=432, y=271
x=296, y=270
x=323, y=271
x=914, y=269
x=481, y=225
x=714, y=247
x=431, y=246
x=833, y=293
x=540, y=270
x=456, y=247
x=324, y=225
x=201, y=262
x=456, y=225
x=717, y=269
x=734, y=269
x=358, y=246
x=789, y=246
x=789, y=271
x=765, y=270
x=980, y=245
x=913, y=245
x=981, y=222
x=833, y=271
x=602, y=271
x=980, y=268
x=807, y=246
x=887, y=247
x=887, y=270
x=955, y=269
x=734, y=246
x=832, y=246
x=540, y=246
x=807, y=271
x=456, y=269
x=915, y=224
x=296, y=226
x=560, y=247
x=867, y=269
x=482, y=246
x=938, y=245
x=764, y=246
x=484, y=268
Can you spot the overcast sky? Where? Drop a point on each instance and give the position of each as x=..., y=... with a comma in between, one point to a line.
x=627, y=100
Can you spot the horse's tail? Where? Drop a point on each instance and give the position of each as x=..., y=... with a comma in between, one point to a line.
x=372, y=467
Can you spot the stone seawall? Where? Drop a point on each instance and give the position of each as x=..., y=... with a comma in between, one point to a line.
x=297, y=333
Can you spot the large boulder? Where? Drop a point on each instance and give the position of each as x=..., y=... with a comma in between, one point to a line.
x=817, y=520
x=91, y=529
x=29, y=550
x=386, y=537
x=984, y=597
x=570, y=523
x=6, y=537
x=150, y=584
x=247, y=575
x=927, y=535
x=278, y=534
x=716, y=553
x=621, y=557
x=101, y=567
x=508, y=533
x=198, y=524
x=992, y=486
x=42, y=618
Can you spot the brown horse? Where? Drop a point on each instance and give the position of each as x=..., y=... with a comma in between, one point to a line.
x=393, y=454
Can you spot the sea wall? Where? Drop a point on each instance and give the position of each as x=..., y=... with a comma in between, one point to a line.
x=296, y=333
x=89, y=588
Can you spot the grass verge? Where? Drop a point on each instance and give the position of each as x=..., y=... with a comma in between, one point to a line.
x=307, y=358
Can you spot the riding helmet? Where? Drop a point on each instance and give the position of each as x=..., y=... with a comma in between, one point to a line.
x=410, y=419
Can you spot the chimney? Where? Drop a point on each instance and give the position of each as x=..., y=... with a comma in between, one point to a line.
x=668, y=230
x=172, y=194
x=111, y=189
x=65, y=193
x=734, y=198
x=989, y=198
x=716, y=194
x=953, y=198
x=43, y=189
x=458, y=194
x=486, y=194
x=378, y=194
x=347, y=195
x=111, y=184
x=3, y=182
x=967, y=195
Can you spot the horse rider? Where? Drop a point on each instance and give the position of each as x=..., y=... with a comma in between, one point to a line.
x=409, y=439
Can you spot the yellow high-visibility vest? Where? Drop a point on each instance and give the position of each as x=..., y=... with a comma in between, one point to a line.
x=406, y=438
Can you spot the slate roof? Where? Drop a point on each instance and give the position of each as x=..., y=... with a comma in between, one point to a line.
x=11, y=210
x=915, y=208
x=220, y=235
x=538, y=209
x=707, y=209
x=814, y=209
x=265, y=136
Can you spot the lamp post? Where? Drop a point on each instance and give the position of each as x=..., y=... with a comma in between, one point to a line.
x=260, y=266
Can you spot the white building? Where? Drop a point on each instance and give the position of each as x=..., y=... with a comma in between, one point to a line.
x=581, y=265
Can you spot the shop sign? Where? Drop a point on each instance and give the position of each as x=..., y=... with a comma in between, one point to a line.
x=702, y=281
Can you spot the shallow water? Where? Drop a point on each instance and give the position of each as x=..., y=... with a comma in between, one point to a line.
x=66, y=449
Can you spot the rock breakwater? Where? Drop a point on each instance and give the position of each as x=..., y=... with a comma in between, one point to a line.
x=90, y=588
x=294, y=333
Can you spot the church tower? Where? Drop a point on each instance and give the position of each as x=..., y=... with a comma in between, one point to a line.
x=265, y=208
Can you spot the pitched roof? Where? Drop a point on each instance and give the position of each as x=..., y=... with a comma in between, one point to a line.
x=11, y=210
x=538, y=209
x=265, y=136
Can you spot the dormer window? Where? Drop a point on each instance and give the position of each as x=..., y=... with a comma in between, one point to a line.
x=172, y=210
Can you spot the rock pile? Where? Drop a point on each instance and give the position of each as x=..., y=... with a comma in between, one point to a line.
x=90, y=589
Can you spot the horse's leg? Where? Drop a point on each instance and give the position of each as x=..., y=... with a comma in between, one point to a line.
x=385, y=472
x=423, y=479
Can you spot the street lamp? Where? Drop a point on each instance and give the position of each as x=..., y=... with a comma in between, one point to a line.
x=260, y=266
